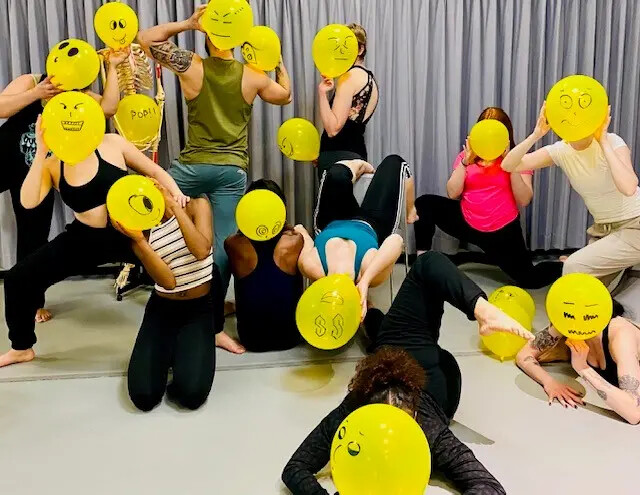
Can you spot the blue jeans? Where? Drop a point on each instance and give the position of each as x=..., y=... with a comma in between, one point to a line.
x=224, y=185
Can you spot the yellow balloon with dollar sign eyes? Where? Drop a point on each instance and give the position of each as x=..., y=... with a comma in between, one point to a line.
x=116, y=24
x=328, y=313
x=576, y=107
x=138, y=118
x=135, y=203
x=261, y=215
x=227, y=22
x=73, y=64
x=299, y=140
x=579, y=306
x=74, y=126
x=334, y=50
x=262, y=48
x=379, y=449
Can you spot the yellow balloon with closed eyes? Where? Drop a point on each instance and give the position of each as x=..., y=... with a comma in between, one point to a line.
x=227, y=22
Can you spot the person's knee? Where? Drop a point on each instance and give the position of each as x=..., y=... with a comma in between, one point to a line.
x=575, y=264
x=16, y=280
x=145, y=400
x=190, y=397
x=427, y=262
x=339, y=173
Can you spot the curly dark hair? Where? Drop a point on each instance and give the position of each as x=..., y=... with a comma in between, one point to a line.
x=390, y=376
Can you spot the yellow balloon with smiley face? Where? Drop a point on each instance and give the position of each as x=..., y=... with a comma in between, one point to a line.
x=380, y=450
x=298, y=139
x=135, y=203
x=262, y=48
x=116, y=24
x=261, y=215
x=73, y=64
x=227, y=22
x=579, y=306
x=334, y=50
x=576, y=107
x=74, y=126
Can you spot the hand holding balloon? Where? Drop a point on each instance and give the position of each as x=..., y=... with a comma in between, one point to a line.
x=579, y=353
x=602, y=132
x=194, y=21
x=363, y=289
x=45, y=89
x=116, y=57
x=134, y=235
x=325, y=85
x=41, y=146
x=542, y=126
x=469, y=156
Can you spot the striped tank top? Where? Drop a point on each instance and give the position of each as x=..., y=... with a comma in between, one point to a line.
x=167, y=240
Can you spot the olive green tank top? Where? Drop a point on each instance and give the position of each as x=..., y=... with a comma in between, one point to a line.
x=218, y=120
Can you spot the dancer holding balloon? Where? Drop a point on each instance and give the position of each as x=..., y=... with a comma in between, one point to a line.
x=20, y=103
x=220, y=92
x=84, y=165
x=483, y=202
x=390, y=376
x=346, y=114
x=178, y=329
x=598, y=165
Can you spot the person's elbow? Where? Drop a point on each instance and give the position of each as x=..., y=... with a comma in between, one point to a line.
x=26, y=203
x=109, y=109
x=143, y=39
x=524, y=200
x=630, y=188
x=333, y=130
x=202, y=252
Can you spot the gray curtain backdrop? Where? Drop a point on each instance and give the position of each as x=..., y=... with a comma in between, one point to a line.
x=438, y=64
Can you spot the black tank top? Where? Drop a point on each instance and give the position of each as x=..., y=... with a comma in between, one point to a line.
x=18, y=137
x=351, y=136
x=93, y=193
x=610, y=373
x=266, y=301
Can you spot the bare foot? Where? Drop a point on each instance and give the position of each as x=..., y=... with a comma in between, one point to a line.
x=229, y=308
x=43, y=315
x=412, y=216
x=228, y=344
x=13, y=357
x=490, y=319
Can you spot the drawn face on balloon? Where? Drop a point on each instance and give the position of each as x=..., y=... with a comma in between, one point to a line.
x=334, y=50
x=73, y=64
x=261, y=214
x=343, y=48
x=576, y=107
x=298, y=139
x=249, y=53
x=579, y=306
x=116, y=24
x=348, y=443
x=136, y=203
x=227, y=22
x=286, y=146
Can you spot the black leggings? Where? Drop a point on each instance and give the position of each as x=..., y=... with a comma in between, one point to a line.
x=381, y=206
x=179, y=335
x=73, y=252
x=414, y=319
x=505, y=247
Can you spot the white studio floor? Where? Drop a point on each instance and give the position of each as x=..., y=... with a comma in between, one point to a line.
x=67, y=426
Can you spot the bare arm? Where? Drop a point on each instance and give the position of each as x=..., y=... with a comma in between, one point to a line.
x=23, y=91
x=619, y=161
x=522, y=187
x=153, y=263
x=110, y=98
x=455, y=184
x=196, y=225
x=387, y=255
x=335, y=116
x=37, y=183
x=276, y=92
x=306, y=266
x=520, y=160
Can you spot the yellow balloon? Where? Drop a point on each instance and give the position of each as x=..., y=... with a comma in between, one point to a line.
x=74, y=126
x=227, y=22
x=261, y=215
x=489, y=139
x=298, y=139
x=138, y=118
x=262, y=48
x=135, y=202
x=510, y=294
x=503, y=344
x=116, y=24
x=579, y=306
x=335, y=50
x=328, y=313
x=576, y=107
x=380, y=450
x=73, y=64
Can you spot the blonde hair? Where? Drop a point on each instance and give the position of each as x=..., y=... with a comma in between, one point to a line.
x=361, y=36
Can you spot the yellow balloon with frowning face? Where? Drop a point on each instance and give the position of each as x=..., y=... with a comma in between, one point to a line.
x=334, y=50
x=73, y=64
x=74, y=126
x=227, y=22
x=116, y=24
x=576, y=107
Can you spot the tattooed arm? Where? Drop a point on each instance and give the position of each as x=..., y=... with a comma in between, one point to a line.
x=527, y=361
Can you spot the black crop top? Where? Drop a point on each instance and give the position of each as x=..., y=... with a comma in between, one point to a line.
x=93, y=193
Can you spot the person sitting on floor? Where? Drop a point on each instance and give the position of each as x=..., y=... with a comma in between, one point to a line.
x=184, y=312
x=359, y=241
x=267, y=284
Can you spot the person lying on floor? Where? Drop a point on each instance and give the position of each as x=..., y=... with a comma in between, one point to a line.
x=89, y=241
x=184, y=312
x=267, y=284
x=359, y=241
x=610, y=363
x=410, y=370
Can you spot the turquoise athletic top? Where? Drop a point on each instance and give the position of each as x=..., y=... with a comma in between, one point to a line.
x=353, y=230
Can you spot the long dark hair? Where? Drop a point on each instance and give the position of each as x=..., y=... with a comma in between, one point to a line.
x=498, y=113
x=389, y=376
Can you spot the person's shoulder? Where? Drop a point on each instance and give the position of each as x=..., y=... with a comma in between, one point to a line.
x=236, y=241
x=198, y=204
x=615, y=140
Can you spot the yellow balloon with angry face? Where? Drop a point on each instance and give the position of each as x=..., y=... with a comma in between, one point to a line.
x=579, y=306
x=576, y=107
x=227, y=22
x=334, y=50
x=116, y=24
x=74, y=126
x=73, y=64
